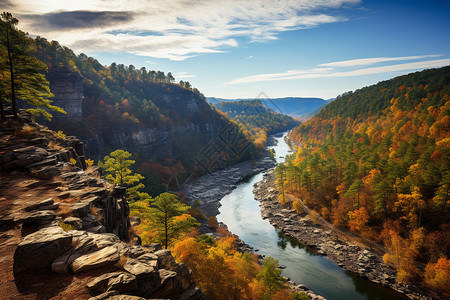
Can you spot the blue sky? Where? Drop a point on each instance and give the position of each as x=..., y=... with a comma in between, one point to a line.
x=232, y=49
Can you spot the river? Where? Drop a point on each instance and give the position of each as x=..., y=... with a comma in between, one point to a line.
x=241, y=213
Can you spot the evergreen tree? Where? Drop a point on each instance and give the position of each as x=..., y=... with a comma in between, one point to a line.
x=117, y=166
x=169, y=218
x=270, y=277
x=23, y=72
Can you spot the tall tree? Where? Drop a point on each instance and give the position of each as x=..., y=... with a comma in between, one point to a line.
x=23, y=71
x=170, y=218
x=170, y=77
x=270, y=277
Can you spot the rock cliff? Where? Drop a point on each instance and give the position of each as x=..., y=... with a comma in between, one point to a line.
x=67, y=88
x=65, y=228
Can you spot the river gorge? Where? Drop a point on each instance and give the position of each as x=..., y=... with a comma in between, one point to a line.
x=241, y=213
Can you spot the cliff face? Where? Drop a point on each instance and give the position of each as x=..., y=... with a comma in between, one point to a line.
x=70, y=223
x=67, y=88
x=191, y=114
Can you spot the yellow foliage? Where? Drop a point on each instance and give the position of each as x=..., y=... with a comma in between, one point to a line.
x=437, y=276
x=297, y=206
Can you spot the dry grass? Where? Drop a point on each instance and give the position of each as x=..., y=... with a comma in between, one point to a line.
x=63, y=210
x=25, y=130
x=55, y=145
x=69, y=200
x=122, y=261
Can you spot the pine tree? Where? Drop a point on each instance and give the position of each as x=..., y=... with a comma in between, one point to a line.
x=117, y=166
x=23, y=72
x=169, y=218
x=270, y=277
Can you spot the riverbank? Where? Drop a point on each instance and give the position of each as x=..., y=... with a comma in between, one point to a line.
x=207, y=190
x=351, y=256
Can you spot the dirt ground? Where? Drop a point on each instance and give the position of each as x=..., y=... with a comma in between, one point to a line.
x=16, y=189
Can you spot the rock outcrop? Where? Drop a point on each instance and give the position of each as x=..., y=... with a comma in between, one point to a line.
x=67, y=88
x=82, y=225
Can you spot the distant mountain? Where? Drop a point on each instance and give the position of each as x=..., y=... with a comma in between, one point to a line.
x=256, y=120
x=292, y=106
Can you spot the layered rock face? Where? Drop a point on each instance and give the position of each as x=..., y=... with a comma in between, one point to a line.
x=67, y=88
x=82, y=225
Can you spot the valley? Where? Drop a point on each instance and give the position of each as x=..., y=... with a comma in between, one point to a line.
x=225, y=150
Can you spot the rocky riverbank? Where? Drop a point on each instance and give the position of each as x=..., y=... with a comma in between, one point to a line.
x=207, y=190
x=350, y=256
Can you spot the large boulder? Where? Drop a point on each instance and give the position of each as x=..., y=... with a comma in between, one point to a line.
x=166, y=260
x=104, y=257
x=139, y=269
x=39, y=249
x=20, y=158
x=83, y=243
x=119, y=281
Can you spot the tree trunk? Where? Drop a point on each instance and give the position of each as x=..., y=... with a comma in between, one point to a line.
x=167, y=234
x=11, y=70
x=2, y=111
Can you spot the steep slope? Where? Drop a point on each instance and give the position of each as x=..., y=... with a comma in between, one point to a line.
x=292, y=106
x=377, y=161
x=138, y=110
x=66, y=232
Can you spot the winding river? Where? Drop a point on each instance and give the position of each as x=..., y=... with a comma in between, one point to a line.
x=240, y=211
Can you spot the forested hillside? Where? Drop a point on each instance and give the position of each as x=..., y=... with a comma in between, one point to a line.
x=167, y=124
x=377, y=162
x=256, y=120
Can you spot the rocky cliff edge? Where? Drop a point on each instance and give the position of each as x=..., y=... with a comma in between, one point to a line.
x=65, y=232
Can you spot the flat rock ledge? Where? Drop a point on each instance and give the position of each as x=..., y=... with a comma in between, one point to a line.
x=77, y=223
x=142, y=271
x=364, y=262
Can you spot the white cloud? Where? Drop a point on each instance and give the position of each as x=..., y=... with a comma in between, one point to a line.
x=371, y=61
x=183, y=75
x=175, y=29
x=332, y=73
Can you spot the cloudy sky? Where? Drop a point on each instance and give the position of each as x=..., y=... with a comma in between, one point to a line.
x=240, y=48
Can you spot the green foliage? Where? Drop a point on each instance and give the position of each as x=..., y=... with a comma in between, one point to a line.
x=270, y=277
x=22, y=74
x=117, y=166
x=207, y=239
x=169, y=218
x=300, y=296
x=256, y=120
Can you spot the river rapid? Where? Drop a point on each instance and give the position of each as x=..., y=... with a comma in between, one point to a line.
x=241, y=213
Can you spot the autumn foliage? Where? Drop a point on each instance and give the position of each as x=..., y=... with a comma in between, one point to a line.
x=378, y=155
